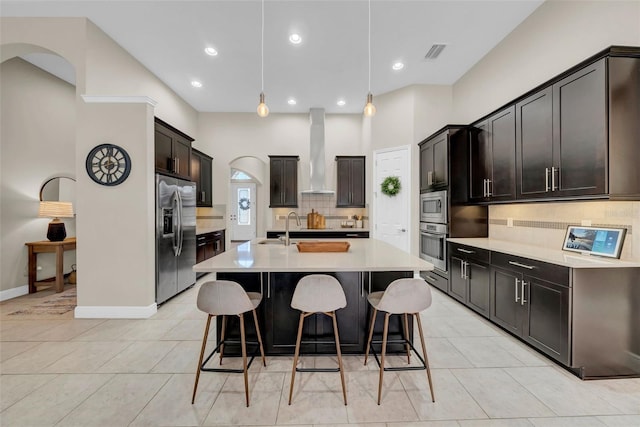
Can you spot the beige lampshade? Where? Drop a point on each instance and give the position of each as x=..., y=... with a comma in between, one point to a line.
x=55, y=210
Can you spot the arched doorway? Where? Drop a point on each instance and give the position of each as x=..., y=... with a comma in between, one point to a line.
x=245, y=195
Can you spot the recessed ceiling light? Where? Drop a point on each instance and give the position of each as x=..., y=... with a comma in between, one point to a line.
x=341, y=102
x=196, y=83
x=211, y=51
x=397, y=66
x=295, y=38
x=291, y=101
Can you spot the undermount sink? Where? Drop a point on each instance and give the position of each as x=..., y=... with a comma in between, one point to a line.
x=271, y=242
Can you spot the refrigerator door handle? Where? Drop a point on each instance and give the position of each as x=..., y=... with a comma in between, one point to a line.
x=180, y=228
x=176, y=220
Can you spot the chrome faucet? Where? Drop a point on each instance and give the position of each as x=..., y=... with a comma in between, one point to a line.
x=287, y=241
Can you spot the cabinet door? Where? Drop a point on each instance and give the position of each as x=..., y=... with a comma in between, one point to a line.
x=457, y=281
x=291, y=182
x=343, y=189
x=276, y=182
x=283, y=172
x=480, y=160
x=505, y=308
x=478, y=292
x=580, y=132
x=196, y=160
x=182, y=157
x=357, y=182
x=546, y=320
x=534, y=145
x=426, y=166
x=502, y=131
x=440, y=160
x=163, y=150
x=206, y=182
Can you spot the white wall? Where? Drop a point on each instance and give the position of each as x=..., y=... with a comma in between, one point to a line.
x=37, y=121
x=555, y=37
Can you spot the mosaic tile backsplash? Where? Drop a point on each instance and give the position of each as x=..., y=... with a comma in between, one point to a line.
x=545, y=224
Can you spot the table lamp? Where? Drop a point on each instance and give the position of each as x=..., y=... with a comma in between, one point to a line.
x=56, y=210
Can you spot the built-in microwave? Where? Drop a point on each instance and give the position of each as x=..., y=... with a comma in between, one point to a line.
x=433, y=207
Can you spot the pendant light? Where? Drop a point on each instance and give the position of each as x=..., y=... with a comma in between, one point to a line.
x=369, y=108
x=263, y=110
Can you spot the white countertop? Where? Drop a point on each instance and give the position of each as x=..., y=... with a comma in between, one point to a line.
x=552, y=256
x=363, y=255
x=205, y=230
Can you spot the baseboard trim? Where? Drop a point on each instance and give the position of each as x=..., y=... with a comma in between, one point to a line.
x=14, y=292
x=115, y=312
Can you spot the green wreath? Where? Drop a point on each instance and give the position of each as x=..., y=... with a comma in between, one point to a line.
x=390, y=186
x=244, y=204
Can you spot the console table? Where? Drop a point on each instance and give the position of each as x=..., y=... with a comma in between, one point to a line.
x=45, y=246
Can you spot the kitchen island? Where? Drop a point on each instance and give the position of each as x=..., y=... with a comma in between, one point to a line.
x=273, y=269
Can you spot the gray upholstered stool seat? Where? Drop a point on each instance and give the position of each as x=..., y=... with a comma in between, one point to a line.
x=226, y=298
x=322, y=294
x=406, y=297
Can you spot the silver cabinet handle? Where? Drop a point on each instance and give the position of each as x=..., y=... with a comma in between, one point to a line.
x=430, y=178
x=178, y=163
x=174, y=164
x=466, y=251
x=546, y=179
x=484, y=187
x=430, y=279
x=488, y=188
x=522, y=300
x=553, y=177
x=462, y=269
x=517, y=264
x=516, y=289
x=268, y=285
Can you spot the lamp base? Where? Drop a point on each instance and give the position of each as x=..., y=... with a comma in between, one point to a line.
x=56, y=231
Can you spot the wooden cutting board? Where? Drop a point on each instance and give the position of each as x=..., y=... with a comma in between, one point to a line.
x=323, y=246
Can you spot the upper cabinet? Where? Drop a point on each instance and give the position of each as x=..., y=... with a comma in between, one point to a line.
x=492, y=157
x=575, y=137
x=351, y=182
x=201, y=174
x=283, y=181
x=172, y=150
x=434, y=160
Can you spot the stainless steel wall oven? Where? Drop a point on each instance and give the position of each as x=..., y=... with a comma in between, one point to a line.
x=433, y=244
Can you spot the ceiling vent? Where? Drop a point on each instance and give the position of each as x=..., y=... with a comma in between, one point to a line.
x=435, y=51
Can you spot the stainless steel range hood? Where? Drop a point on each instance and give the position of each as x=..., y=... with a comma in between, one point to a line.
x=316, y=153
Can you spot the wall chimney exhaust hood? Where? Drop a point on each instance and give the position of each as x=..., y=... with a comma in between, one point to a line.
x=316, y=153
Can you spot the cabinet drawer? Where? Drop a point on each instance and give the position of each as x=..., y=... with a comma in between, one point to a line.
x=542, y=270
x=469, y=252
x=435, y=280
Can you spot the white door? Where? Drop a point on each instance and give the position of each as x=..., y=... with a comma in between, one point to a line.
x=243, y=211
x=391, y=213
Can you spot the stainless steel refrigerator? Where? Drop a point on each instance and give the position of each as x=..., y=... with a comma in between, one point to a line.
x=175, y=236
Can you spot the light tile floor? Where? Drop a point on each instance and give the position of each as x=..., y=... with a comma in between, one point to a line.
x=62, y=371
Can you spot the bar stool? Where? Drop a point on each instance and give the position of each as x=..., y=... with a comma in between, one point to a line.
x=318, y=293
x=226, y=298
x=406, y=297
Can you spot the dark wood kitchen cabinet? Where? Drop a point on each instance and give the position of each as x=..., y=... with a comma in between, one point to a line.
x=434, y=163
x=350, y=191
x=492, y=157
x=172, y=150
x=531, y=299
x=469, y=277
x=201, y=174
x=209, y=245
x=283, y=182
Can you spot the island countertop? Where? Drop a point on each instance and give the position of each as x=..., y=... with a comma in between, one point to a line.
x=363, y=255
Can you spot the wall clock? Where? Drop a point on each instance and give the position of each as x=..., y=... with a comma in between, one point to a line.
x=108, y=164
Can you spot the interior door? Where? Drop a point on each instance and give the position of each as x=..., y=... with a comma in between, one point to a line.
x=392, y=213
x=243, y=211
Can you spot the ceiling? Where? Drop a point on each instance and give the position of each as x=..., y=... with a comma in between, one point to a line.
x=331, y=63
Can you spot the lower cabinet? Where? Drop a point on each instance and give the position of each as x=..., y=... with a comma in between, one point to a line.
x=469, y=278
x=531, y=299
x=209, y=245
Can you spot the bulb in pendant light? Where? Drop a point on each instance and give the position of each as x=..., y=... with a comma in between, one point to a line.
x=369, y=108
x=263, y=110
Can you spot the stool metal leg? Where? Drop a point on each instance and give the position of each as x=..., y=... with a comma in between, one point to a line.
x=373, y=321
x=204, y=344
x=223, y=329
x=384, y=349
x=295, y=356
x=426, y=359
x=244, y=358
x=335, y=332
x=406, y=337
x=255, y=319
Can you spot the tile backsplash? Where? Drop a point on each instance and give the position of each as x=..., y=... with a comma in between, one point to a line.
x=545, y=224
x=214, y=217
x=324, y=204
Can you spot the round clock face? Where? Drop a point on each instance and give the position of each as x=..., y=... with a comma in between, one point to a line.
x=108, y=164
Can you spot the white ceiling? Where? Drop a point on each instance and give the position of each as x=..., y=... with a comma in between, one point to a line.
x=169, y=38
